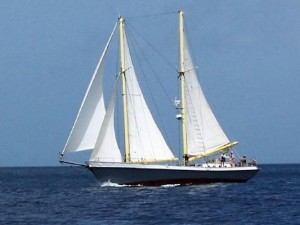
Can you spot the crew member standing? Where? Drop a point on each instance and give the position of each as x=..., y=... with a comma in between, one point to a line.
x=223, y=159
x=232, y=159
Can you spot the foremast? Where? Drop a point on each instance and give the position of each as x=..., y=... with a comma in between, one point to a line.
x=124, y=92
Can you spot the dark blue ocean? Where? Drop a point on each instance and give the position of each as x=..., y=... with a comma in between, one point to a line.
x=67, y=195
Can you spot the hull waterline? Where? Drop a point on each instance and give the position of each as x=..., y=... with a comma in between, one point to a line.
x=149, y=175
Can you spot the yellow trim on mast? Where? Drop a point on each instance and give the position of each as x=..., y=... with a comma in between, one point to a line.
x=182, y=86
x=124, y=93
x=214, y=151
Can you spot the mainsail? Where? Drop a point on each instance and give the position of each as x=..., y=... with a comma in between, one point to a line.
x=203, y=130
x=146, y=141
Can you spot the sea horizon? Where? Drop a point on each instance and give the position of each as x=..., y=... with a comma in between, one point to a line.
x=259, y=164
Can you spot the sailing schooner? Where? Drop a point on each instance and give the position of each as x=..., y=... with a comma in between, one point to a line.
x=146, y=151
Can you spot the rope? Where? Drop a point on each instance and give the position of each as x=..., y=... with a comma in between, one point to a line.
x=73, y=166
x=80, y=174
x=150, y=45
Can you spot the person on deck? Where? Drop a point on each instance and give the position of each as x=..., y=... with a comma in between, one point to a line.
x=244, y=161
x=223, y=159
x=232, y=159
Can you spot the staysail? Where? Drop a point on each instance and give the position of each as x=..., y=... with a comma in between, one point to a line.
x=89, y=119
x=106, y=148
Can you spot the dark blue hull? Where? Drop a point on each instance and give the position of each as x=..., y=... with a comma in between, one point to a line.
x=148, y=175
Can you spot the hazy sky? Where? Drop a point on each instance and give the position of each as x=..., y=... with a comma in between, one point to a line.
x=247, y=54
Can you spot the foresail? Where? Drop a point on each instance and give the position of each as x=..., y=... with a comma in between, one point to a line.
x=91, y=113
x=146, y=141
x=203, y=130
x=106, y=148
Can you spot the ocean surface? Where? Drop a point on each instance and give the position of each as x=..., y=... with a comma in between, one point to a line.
x=68, y=195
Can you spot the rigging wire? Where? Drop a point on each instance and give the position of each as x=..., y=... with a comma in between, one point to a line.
x=161, y=56
x=150, y=45
x=133, y=47
x=77, y=168
x=145, y=77
x=80, y=174
x=152, y=15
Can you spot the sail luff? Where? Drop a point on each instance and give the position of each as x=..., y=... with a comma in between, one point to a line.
x=124, y=91
x=88, y=123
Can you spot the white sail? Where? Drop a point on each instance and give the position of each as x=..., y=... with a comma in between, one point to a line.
x=89, y=119
x=203, y=130
x=106, y=148
x=145, y=138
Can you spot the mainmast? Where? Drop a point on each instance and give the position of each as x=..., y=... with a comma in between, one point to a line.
x=182, y=85
x=124, y=94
